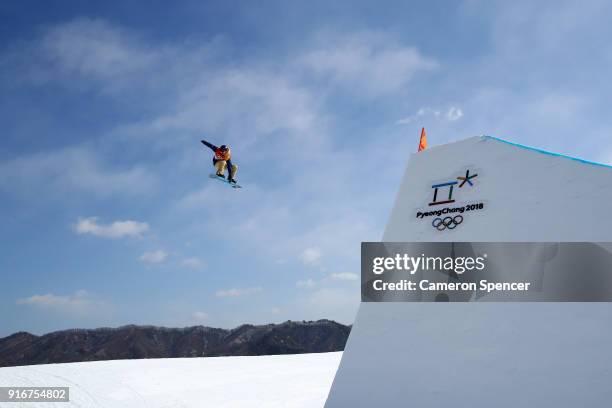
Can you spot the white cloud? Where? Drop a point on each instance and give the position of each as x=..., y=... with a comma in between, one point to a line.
x=274, y=216
x=370, y=63
x=404, y=121
x=79, y=302
x=237, y=292
x=200, y=316
x=198, y=198
x=454, y=113
x=345, y=276
x=192, y=263
x=154, y=257
x=311, y=256
x=95, y=48
x=73, y=170
x=308, y=283
x=341, y=276
x=276, y=310
x=418, y=114
x=338, y=304
x=256, y=104
x=117, y=229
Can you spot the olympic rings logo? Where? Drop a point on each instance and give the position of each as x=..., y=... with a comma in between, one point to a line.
x=447, y=222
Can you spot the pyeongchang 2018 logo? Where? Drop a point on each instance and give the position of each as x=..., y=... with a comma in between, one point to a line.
x=450, y=216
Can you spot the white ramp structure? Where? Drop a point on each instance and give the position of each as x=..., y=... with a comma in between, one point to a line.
x=487, y=354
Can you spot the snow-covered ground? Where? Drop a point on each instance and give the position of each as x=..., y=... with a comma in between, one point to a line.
x=301, y=380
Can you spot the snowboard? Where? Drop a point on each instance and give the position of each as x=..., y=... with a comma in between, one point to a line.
x=224, y=180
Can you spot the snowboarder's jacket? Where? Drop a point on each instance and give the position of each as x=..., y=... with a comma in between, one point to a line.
x=220, y=155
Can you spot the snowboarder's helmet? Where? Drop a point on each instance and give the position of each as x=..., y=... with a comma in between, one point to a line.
x=223, y=148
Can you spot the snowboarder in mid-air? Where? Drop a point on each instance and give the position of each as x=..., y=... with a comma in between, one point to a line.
x=222, y=159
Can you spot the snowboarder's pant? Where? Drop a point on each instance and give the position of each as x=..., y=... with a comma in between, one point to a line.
x=220, y=165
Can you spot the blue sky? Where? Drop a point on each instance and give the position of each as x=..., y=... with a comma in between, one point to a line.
x=108, y=216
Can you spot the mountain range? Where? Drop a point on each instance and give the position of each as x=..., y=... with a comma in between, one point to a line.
x=135, y=342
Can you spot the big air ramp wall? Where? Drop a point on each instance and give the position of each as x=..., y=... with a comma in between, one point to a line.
x=477, y=354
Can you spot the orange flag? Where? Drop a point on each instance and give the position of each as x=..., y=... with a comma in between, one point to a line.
x=423, y=141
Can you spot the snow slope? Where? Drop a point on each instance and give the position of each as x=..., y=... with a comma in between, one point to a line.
x=488, y=354
x=301, y=380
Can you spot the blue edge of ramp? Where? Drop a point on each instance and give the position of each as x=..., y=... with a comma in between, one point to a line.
x=549, y=153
